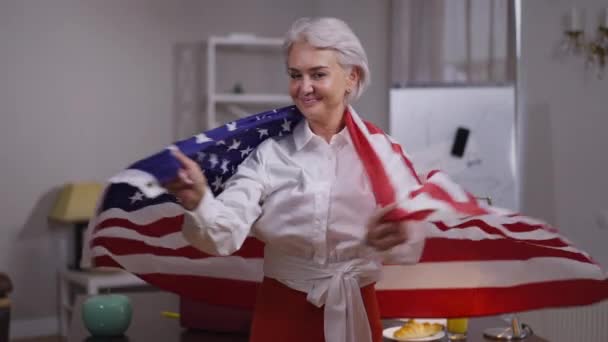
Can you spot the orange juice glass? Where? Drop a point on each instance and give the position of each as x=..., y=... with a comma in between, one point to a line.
x=457, y=328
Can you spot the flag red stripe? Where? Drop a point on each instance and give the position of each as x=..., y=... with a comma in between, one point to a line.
x=446, y=302
x=435, y=250
x=469, y=207
x=526, y=227
x=121, y=246
x=419, y=215
x=446, y=249
x=407, y=162
x=382, y=189
x=373, y=129
x=491, y=230
x=217, y=291
x=376, y=174
x=214, y=291
x=252, y=248
x=431, y=173
x=158, y=228
x=435, y=303
x=515, y=227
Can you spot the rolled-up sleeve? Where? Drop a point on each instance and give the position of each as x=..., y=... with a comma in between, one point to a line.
x=220, y=225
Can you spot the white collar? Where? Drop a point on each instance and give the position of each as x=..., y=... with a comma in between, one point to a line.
x=302, y=134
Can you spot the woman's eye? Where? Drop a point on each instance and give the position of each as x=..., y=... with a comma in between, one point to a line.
x=318, y=75
x=295, y=76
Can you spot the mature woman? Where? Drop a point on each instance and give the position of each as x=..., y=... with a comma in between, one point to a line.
x=308, y=198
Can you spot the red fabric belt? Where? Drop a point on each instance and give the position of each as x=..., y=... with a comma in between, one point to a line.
x=284, y=314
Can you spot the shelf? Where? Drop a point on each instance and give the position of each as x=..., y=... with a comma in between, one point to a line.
x=232, y=101
x=246, y=40
x=92, y=282
x=252, y=98
x=102, y=278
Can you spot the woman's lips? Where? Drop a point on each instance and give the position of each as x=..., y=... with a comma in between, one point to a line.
x=309, y=101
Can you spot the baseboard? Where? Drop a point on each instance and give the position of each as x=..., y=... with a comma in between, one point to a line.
x=46, y=326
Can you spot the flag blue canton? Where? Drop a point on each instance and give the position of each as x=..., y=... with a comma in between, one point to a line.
x=218, y=152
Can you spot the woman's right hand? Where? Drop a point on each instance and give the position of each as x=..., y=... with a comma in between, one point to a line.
x=190, y=184
x=384, y=235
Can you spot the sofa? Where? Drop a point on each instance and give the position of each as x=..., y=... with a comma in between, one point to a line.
x=5, y=306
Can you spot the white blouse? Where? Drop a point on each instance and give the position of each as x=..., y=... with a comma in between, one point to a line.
x=300, y=195
x=308, y=201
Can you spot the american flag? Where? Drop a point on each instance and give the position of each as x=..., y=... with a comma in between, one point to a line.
x=478, y=260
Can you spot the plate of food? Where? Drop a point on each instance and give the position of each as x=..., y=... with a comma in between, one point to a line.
x=416, y=330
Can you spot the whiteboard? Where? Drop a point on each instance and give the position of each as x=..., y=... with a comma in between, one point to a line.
x=425, y=120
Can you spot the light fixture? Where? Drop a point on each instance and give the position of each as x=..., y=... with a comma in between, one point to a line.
x=75, y=205
x=594, y=50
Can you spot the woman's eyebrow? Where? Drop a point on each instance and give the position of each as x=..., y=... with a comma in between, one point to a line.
x=315, y=68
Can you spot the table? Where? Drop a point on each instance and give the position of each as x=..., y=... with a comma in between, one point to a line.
x=148, y=325
x=92, y=282
x=475, y=329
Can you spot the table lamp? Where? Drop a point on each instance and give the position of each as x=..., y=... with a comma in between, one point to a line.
x=76, y=205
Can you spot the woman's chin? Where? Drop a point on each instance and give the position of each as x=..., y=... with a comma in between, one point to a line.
x=309, y=109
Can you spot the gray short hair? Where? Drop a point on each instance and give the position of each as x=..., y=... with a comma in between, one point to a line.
x=333, y=34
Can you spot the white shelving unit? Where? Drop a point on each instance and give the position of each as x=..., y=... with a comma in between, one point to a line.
x=214, y=98
x=92, y=282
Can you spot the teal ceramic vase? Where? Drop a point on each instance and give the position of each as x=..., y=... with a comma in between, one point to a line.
x=107, y=315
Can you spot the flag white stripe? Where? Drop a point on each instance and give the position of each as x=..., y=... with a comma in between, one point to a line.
x=476, y=234
x=454, y=190
x=442, y=210
x=436, y=275
x=143, y=216
x=227, y=267
x=144, y=181
x=174, y=240
x=495, y=220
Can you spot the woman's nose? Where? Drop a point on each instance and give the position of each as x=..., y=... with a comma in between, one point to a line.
x=306, y=86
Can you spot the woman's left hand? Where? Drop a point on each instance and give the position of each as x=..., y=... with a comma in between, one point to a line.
x=190, y=184
x=384, y=235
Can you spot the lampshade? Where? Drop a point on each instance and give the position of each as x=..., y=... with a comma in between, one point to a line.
x=76, y=202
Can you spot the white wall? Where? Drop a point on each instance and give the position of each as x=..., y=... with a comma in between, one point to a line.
x=564, y=111
x=86, y=88
x=563, y=116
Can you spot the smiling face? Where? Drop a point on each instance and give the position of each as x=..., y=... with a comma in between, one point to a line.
x=318, y=84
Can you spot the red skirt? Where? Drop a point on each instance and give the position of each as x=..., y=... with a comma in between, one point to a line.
x=284, y=314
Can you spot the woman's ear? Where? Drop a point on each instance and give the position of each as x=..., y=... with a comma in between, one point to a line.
x=352, y=78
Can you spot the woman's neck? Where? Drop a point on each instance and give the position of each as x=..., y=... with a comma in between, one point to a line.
x=327, y=128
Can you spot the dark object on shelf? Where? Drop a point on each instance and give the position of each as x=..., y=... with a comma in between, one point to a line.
x=460, y=142
x=238, y=89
